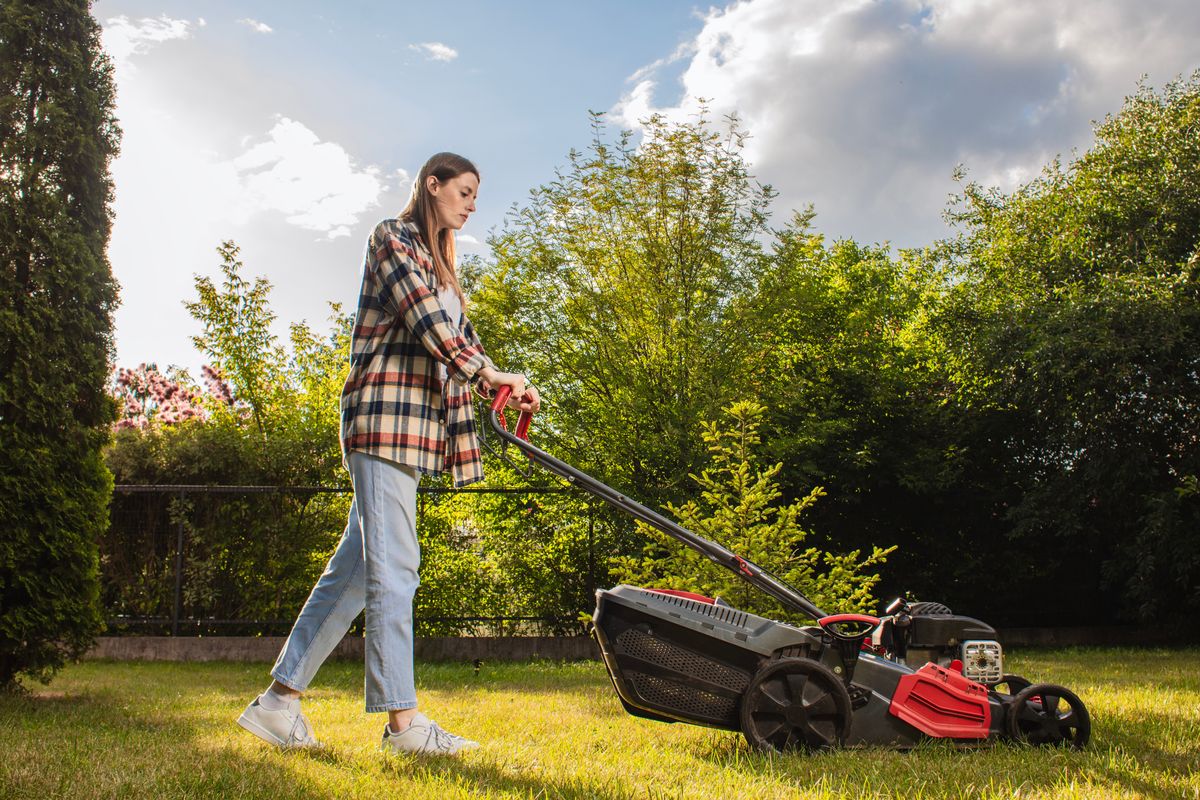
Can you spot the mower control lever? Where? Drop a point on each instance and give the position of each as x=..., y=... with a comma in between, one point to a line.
x=900, y=614
x=832, y=622
x=849, y=641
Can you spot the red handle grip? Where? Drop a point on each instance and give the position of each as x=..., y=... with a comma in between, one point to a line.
x=833, y=619
x=501, y=398
x=526, y=417
x=522, y=431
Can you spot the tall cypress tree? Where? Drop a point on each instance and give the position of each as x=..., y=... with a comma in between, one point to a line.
x=57, y=138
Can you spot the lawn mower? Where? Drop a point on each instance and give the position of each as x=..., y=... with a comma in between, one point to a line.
x=915, y=672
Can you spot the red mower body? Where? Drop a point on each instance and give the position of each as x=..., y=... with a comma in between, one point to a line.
x=943, y=704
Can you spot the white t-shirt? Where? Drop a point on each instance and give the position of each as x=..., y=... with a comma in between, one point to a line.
x=453, y=307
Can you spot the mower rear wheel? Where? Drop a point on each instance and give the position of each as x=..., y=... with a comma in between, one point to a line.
x=1045, y=714
x=795, y=704
x=1011, y=683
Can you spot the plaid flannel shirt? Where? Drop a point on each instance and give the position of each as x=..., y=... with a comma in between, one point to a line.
x=394, y=404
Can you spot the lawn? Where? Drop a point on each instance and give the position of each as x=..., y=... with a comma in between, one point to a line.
x=158, y=730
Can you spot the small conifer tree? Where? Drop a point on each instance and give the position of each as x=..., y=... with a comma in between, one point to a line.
x=738, y=508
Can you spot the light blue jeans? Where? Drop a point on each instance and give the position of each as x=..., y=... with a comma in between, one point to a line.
x=374, y=566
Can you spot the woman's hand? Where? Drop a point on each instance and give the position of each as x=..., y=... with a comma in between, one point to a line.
x=523, y=397
x=530, y=401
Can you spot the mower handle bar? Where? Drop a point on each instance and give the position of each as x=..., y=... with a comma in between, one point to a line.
x=865, y=619
x=749, y=571
x=831, y=625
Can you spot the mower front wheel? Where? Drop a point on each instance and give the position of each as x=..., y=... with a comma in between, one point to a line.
x=1045, y=714
x=795, y=704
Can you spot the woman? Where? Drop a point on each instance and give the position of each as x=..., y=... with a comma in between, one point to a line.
x=406, y=409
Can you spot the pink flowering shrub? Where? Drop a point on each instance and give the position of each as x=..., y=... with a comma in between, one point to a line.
x=147, y=397
x=217, y=386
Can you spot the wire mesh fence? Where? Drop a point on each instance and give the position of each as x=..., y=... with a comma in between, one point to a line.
x=240, y=560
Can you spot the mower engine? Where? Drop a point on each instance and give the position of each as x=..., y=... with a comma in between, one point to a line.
x=926, y=632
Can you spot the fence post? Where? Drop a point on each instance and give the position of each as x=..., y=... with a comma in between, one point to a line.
x=591, y=550
x=177, y=611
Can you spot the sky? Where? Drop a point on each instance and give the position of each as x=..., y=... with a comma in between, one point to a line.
x=293, y=127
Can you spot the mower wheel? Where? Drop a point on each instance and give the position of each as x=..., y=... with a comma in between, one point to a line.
x=793, y=704
x=1045, y=714
x=1011, y=683
x=927, y=607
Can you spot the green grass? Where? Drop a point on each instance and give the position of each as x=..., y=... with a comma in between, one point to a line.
x=160, y=730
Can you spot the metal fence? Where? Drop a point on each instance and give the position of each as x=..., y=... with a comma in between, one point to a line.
x=189, y=559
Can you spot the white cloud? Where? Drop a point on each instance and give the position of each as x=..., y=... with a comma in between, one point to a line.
x=864, y=107
x=184, y=183
x=435, y=50
x=124, y=38
x=404, y=182
x=255, y=25
x=316, y=184
x=178, y=197
x=684, y=50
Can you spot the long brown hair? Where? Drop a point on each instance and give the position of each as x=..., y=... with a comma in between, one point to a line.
x=420, y=210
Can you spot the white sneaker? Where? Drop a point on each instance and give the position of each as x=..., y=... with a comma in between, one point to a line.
x=424, y=735
x=285, y=728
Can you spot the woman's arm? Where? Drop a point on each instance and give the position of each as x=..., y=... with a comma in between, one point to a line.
x=406, y=295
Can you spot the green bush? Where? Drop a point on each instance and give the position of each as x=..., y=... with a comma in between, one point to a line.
x=267, y=417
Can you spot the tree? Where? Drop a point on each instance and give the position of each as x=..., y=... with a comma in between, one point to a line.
x=285, y=403
x=859, y=403
x=1074, y=322
x=617, y=289
x=57, y=138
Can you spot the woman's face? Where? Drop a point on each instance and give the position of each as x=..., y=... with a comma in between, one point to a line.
x=454, y=200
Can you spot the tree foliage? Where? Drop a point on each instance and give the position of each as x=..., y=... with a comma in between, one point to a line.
x=618, y=289
x=1075, y=322
x=857, y=403
x=1015, y=408
x=521, y=555
x=57, y=137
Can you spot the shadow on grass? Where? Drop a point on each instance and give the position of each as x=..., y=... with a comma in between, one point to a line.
x=469, y=772
x=63, y=711
x=83, y=745
x=118, y=746
x=489, y=776
x=942, y=769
